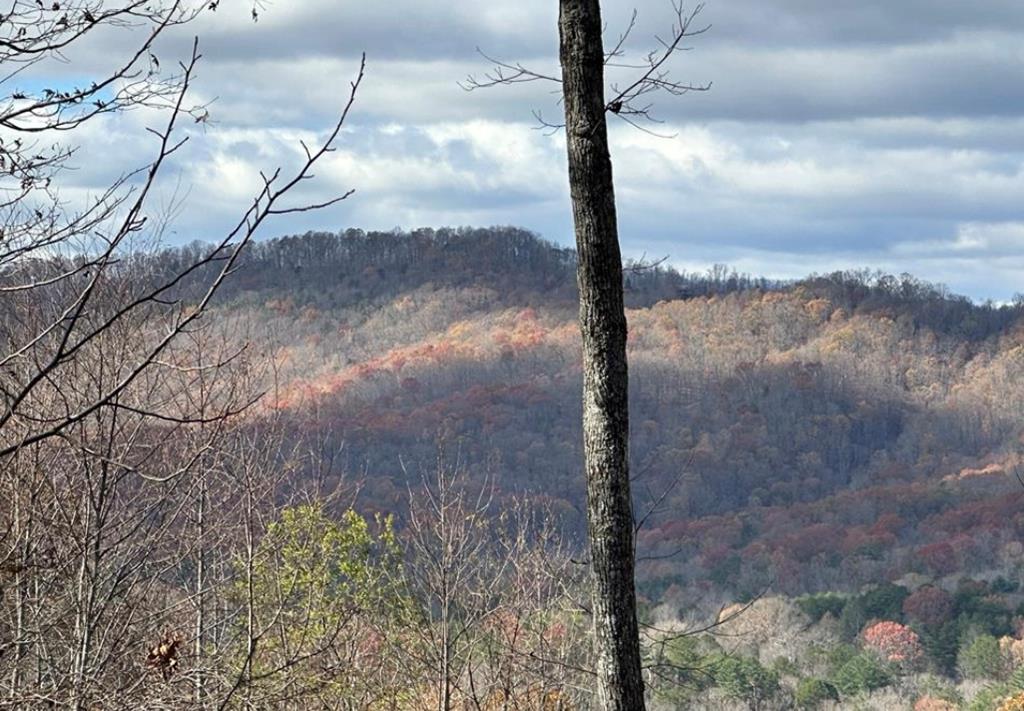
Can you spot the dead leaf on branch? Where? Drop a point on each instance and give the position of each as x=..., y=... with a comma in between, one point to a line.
x=164, y=655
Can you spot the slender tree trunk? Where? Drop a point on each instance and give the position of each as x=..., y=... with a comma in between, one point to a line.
x=200, y=621
x=605, y=381
x=19, y=596
x=199, y=650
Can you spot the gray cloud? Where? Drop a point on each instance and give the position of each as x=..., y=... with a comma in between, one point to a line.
x=878, y=23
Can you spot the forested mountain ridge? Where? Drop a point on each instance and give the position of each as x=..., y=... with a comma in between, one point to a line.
x=815, y=435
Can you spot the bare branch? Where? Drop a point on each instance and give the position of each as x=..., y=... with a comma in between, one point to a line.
x=653, y=74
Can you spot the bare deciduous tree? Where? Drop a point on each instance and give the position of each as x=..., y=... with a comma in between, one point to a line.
x=602, y=314
x=605, y=377
x=492, y=623
x=56, y=259
x=120, y=409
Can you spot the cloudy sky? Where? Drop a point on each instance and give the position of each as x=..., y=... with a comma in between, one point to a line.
x=880, y=133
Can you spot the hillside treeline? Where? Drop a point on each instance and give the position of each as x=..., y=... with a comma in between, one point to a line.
x=336, y=269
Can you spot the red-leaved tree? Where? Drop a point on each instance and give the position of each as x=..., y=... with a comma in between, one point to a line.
x=893, y=642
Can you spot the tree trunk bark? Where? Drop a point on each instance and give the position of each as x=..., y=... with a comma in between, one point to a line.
x=605, y=381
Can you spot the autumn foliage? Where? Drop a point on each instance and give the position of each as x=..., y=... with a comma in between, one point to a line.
x=1014, y=703
x=825, y=434
x=931, y=703
x=893, y=642
x=928, y=605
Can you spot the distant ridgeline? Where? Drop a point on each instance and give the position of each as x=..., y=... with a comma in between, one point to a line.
x=335, y=268
x=357, y=264
x=354, y=263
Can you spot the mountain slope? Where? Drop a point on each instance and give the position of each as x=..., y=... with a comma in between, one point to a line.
x=816, y=435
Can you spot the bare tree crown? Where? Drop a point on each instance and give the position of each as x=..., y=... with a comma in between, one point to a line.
x=645, y=75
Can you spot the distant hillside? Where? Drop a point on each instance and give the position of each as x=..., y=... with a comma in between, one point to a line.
x=814, y=435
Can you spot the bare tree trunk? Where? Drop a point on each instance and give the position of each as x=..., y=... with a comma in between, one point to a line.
x=200, y=621
x=199, y=648
x=605, y=381
x=19, y=596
